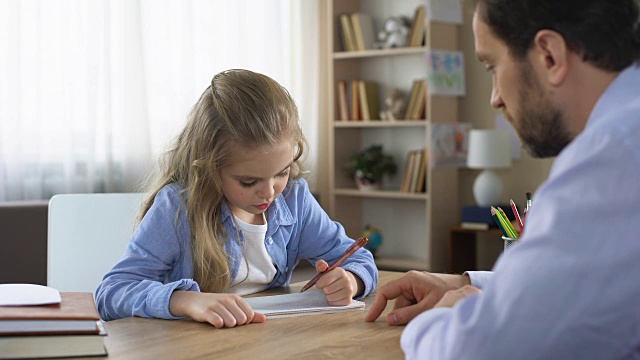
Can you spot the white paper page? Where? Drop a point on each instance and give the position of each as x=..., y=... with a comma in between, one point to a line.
x=28, y=294
x=309, y=301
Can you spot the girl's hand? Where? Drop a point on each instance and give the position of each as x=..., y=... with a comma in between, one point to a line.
x=219, y=310
x=338, y=285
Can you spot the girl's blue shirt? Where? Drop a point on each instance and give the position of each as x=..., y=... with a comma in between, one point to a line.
x=158, y=259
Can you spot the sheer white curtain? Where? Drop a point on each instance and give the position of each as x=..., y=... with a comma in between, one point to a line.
x=93, y=91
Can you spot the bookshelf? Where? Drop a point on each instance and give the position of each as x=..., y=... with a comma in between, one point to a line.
x=414, y=225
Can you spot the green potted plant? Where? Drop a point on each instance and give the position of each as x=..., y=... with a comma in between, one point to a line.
x=369, y=166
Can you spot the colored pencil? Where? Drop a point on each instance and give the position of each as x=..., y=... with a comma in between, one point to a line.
x=494, y=214
x=512, y=232
x=517, y=215
x=350, y=251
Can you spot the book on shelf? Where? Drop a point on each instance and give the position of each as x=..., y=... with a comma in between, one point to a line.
x=406, y=174
x=418, y=111
x=343, y=109
x=369, y=100
x=416, y=34
x=421, y=187
x=356, y=113
x=412, y=99
x=312, y=302
x=346, y=33
x=414, y=174
x=363, y=30
x=417, y=101
x=423, y=100
x=342, y=35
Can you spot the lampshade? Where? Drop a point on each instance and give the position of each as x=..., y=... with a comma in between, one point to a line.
x=488, y=149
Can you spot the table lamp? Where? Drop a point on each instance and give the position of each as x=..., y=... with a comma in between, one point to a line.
x=488, y=150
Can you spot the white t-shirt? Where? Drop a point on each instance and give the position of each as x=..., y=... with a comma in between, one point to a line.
x=256, y=268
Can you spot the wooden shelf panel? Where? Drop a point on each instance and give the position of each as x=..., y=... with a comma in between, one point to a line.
x=343, y=55
x=387, y=194
x=379, y=124
x=400, y=264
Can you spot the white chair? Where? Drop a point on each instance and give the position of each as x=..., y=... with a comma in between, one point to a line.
x=87, y=235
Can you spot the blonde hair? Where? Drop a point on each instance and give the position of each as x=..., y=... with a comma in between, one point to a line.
x=240, y=107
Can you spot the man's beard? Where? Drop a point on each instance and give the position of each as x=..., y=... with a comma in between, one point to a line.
x=540, y=125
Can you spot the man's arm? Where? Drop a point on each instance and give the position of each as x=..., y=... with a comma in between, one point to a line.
x=479, y=279
x=567, y=289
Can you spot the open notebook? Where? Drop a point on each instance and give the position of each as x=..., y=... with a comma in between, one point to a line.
x=298, y=304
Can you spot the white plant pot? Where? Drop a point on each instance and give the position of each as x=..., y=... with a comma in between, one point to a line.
x=365, y=186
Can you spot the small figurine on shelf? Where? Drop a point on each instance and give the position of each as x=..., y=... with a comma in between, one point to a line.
x=396, y=105
x=375, y=239
x=395, y=33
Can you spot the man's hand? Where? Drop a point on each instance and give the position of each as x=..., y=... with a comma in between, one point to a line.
x=414, y=292
x=451, y=297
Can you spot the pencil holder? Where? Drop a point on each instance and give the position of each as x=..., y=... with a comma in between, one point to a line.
x=509, y=241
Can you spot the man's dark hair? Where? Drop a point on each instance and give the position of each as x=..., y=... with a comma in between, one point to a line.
x=605, y=32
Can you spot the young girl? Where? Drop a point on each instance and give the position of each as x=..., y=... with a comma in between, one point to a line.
x=230, y=215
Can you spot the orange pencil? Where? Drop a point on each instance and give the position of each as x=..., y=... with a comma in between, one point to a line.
x=352, y=249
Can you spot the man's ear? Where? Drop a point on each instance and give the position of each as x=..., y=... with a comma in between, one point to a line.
x=551, y=54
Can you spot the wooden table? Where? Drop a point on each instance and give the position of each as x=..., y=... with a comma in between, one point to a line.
x=330, y=336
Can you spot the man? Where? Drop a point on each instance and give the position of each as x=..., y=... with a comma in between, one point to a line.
x=566, y=75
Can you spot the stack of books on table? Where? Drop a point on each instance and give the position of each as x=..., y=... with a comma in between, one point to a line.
x=39, y=327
